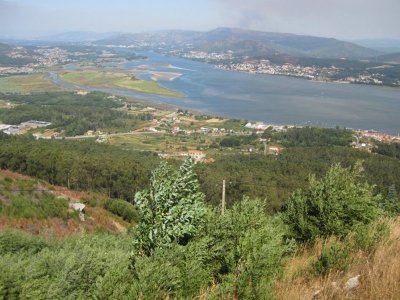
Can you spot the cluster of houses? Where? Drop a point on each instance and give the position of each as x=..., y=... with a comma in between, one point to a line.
x=42, y=57
x=363, y=78
x=260, y=127
x=365, y=139
x=207, y=56
x=48, y=135
x=172, y=120
x=202, y=130
x=266, y=67
x=381, y=137
x=23, y=127
x=364, y=146
x=197, y=156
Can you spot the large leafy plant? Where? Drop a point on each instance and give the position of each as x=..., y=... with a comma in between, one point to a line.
x=171, y=210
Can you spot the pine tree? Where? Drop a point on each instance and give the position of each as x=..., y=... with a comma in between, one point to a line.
x=392, y=194
x=391, y=204
x=334, y=205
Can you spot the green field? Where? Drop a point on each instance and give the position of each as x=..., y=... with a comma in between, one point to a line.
x=116, y=80
x=33, y=83
x=149, y=142
x=162, y=142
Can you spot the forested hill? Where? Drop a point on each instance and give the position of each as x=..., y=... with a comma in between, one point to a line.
x=257, y=42
x=7, y=60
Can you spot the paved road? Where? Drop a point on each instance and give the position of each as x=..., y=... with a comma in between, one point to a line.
x=80, y=137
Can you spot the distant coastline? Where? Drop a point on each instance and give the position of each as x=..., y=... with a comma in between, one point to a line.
x=226, y=61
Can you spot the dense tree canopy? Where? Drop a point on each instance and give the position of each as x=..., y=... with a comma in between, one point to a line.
x=391, y=150
x=75, y=114
x=80, y=165
x=85, y=165
x=311, y=136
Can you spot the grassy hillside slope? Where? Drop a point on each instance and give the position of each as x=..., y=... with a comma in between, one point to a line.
x=37, y=207
x=377, y=267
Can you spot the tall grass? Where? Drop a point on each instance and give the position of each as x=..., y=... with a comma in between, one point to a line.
x=378, y=267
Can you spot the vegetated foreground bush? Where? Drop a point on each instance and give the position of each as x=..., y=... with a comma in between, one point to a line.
x=240, y=253
x=334, y=205
x=24, y=199
x=172, y=210
x=338, y=255
x=123, y=209
x=23, y=207
x=87, y=266
x=341, y=217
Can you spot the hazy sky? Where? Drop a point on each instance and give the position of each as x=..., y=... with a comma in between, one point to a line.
x=332, y=18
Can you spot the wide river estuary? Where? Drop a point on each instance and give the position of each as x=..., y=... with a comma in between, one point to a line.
x=273, y=99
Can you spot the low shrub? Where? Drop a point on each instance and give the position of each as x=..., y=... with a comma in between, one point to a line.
x=367, y=238
x=23, y=207
x=91, y=202
x=123, y=209
x=335, y=256
x=334, y=205
x=12, y=241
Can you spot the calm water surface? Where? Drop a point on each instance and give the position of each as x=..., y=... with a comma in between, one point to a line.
x=275, y=99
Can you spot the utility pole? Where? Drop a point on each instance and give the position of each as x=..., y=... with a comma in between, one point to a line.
x=68, y=180
x=357, y=140
x=223, y=197
x=265, y=148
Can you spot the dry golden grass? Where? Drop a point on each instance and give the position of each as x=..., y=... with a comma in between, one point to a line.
x=380, y=274
x=97, y=220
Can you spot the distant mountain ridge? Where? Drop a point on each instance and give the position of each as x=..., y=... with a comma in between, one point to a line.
x=175, y=36
x=250, y=42
x=77, y=36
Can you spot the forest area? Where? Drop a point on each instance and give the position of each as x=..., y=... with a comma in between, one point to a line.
x=69, y=112
x=84, y=165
